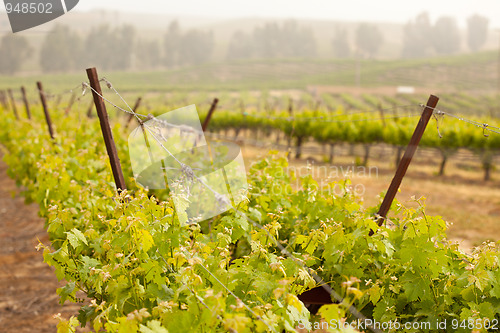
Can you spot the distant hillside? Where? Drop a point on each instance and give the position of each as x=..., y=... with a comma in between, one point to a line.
x=153, y=26
x=466, y=73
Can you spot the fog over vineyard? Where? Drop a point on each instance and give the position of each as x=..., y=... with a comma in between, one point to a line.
x=261, y=166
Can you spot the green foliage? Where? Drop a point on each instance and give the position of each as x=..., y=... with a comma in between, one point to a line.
x=443, y=133
x=142, y=271
x=139, y=267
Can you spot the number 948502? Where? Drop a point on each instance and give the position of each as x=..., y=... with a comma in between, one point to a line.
x=29, y=8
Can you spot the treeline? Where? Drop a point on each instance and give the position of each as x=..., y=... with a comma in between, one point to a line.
x=273, y=40
x=123, y=48
x=422, y=38
x=109, y=48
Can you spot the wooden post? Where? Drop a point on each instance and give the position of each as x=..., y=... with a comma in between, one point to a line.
x=70, y=105
x=58, y=101
x=3, y=100
x=290, y=136
x=89, y=110
x=45, y=109
x=13, y=103
x=381, y=111
x=106, y=129
x=498, y=73
x=210, y=114
x=406, y=160
x=26, y=104
x=319, y=295
x=317, y=105
x=131, y=116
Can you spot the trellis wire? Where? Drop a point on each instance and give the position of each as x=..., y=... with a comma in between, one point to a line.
x=326, y=120
x=184, y=168
x=483, y=126
x=328, y=117
x=319, y=280
x=62, y=93
x=189, y=172
x=137, y=115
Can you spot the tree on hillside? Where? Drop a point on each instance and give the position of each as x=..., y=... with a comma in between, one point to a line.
x=267, y=40
x=96, y=47
x=368, y=39
x=477, y=32
x=288, y=40
x=61, y=50
x=417, y=37
x=446, y=36
x=122, y=44
x=187, y=48
x=297, y=41
x=14, y=49
x=273, y=40
x=240, y=46
x=148, y=54
x=196, y=47
x=171, y=42
x=110, y=49
x=340, y=42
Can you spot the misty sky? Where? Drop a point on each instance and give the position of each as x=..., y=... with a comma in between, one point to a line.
x=349, y=10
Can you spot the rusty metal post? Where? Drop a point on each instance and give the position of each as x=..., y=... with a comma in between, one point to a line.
x=26, y=104
x=131, y=116
x=45, y=109
x=210, y=114
x=106, y=129
x=406, y=160
x=3, y=100
x=319, y=295
x=13, y=103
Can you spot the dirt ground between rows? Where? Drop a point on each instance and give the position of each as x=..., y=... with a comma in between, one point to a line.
x=28, y=299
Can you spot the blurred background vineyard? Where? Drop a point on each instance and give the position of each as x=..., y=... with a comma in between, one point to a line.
x=263, y=68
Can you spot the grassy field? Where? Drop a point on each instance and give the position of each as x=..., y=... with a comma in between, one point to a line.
x=472, y=72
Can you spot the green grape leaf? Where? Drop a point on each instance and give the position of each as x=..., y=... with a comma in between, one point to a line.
x=76, y=238
x=154, y=326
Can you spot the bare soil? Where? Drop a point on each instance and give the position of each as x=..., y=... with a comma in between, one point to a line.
x=28, y=299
